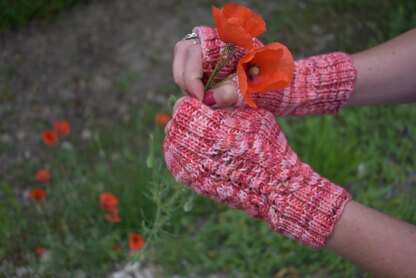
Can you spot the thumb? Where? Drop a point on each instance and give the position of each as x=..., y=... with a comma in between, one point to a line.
x=223, y=96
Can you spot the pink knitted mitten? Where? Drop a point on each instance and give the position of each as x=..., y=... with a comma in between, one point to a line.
x=243, y=160
x=321, y=84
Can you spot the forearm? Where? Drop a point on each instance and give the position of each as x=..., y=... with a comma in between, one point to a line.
x=386, y=73
x=377, y=243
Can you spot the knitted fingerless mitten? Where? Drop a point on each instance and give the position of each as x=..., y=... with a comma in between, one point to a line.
x=321, y=84
x=243, y=160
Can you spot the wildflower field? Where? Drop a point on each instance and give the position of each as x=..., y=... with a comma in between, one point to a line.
x=84, y=190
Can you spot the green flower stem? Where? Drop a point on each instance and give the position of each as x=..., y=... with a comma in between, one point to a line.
x=218, y=84
x=215, y=72
x=229, y=49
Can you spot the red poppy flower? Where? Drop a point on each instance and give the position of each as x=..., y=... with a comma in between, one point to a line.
x=264, y=69
x=112, y=216
x=49, y=137
x=136, y=242
x=40, y=250
x=237, y=24
x=38, y=194
x=162, y=118
x=43, y=175
x=117, y=248
x=62, y=127
x=108, y=201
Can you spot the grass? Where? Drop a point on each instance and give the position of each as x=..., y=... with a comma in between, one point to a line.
x=70, y=223
x=367, y=150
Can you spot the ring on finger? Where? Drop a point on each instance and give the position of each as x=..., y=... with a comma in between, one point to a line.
x=192, y=36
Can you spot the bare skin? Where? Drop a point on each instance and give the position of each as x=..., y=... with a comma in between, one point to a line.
x=386, y=73
x=377, y=243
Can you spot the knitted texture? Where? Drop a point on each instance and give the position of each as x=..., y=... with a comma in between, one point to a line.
x=212, y=48
x=243, y=160
x=322, y=84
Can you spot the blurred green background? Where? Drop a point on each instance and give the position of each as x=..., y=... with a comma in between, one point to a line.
x=105, y=67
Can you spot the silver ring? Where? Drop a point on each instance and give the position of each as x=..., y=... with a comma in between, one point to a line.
x=192, y=36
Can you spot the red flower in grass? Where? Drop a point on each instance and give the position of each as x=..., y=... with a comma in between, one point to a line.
x=49, y=137
x=117, y=248
x=43, y=175
x=264, y=69
x=136, y=242
x=40, y=250
x=62, y=127
x=112, y=216
x=237, y=24
x=38, y=194
x=108, y=201
x=162, y=118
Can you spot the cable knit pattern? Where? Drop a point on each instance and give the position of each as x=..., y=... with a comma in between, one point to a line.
x=243, y=160
x=322, y=84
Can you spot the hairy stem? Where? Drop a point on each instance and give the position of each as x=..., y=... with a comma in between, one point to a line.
x=229, y=49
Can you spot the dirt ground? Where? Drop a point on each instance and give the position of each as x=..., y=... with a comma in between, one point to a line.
x=71, y=68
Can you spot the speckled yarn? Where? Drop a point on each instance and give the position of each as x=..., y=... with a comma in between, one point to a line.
x=322, y=84
x=243, y=160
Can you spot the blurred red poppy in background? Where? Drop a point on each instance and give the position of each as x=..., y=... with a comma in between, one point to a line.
x=162, y=118
x=108, y=201
x=38, y=194
x=62, y=127
x=43, y=175
x=49, y=137
x=136, y=242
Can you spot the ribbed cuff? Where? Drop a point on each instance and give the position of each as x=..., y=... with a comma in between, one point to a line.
x=311, y=210
x=321, y=85
x=327, y=82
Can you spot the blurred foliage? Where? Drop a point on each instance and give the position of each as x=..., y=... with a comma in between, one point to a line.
x=69, y=223
x=308, y=27
x=18, y=12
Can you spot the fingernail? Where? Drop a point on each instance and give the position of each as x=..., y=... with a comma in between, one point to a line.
x=209, y=98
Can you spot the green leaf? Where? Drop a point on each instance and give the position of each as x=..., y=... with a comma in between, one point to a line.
x=150, y=161
x=187, y=207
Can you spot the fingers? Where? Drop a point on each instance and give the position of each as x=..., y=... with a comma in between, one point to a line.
x=194, y=72
x=224, y=96
x=179, y=54
x=187, y=68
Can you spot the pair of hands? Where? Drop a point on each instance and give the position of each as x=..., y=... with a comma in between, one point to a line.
x=241, y=158
x=238, y=156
